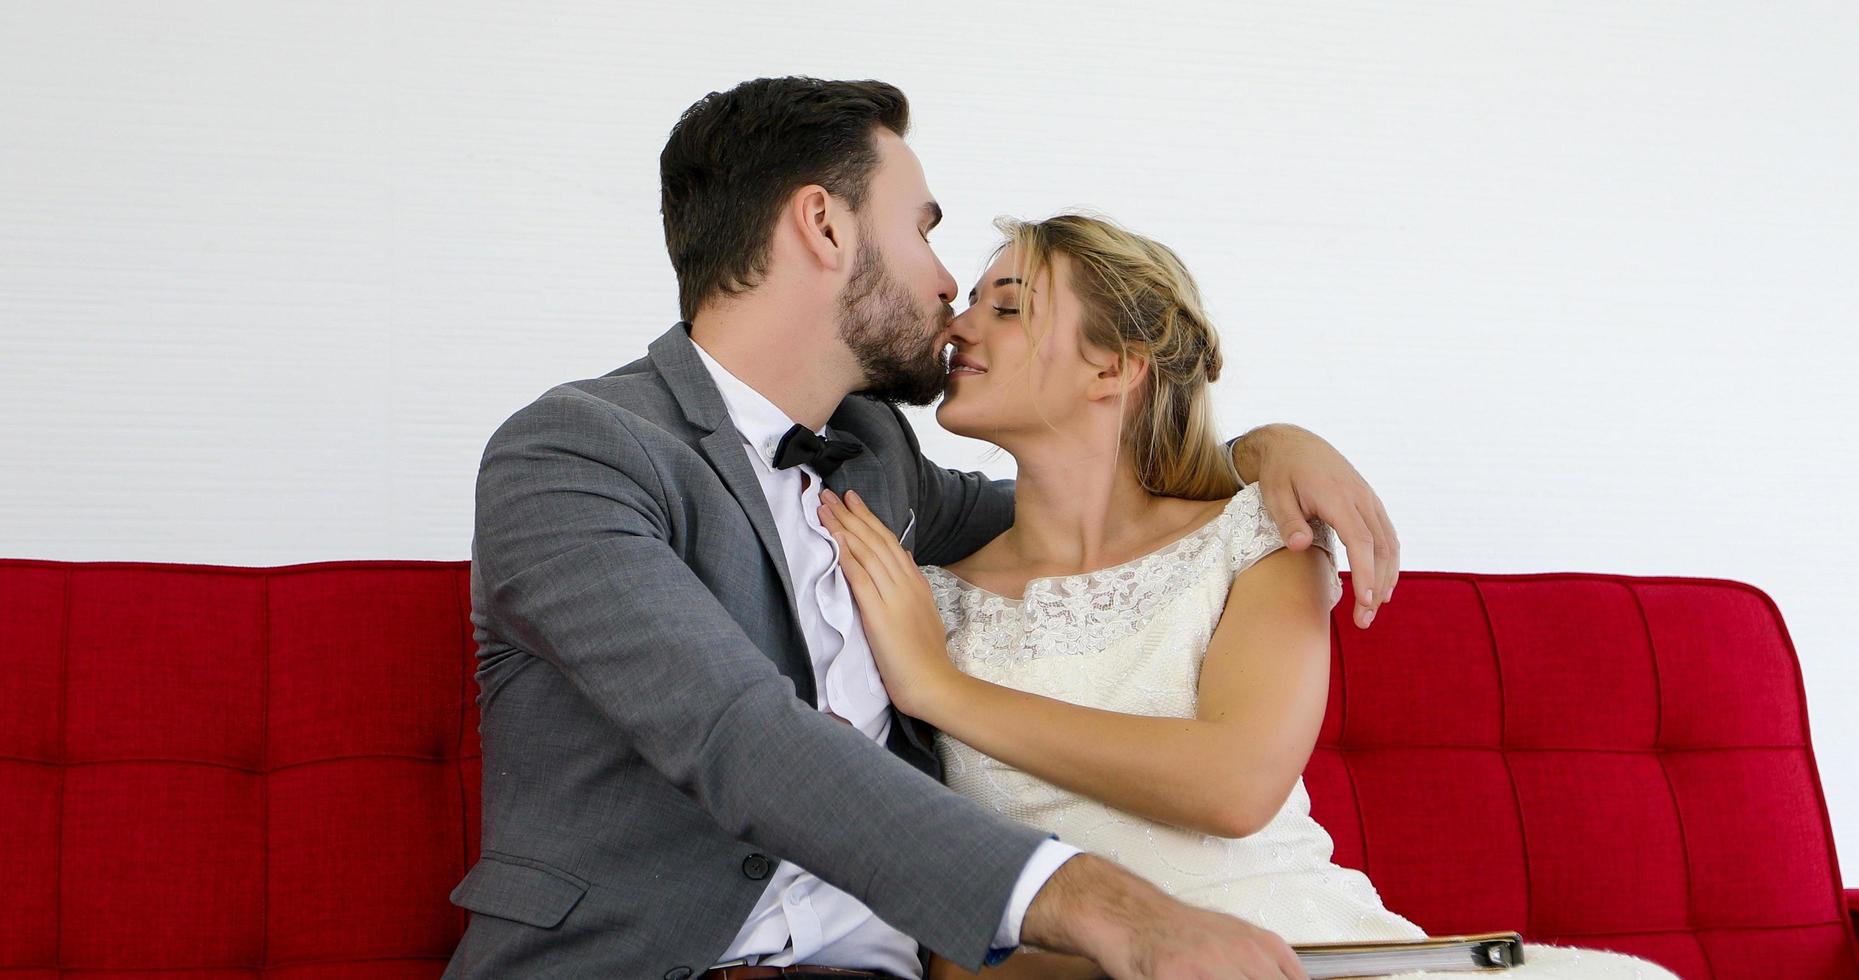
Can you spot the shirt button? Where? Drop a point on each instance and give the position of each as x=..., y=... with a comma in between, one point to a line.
x=755, y=866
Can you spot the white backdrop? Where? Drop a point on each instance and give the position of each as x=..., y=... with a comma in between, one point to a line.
x=1573, y=283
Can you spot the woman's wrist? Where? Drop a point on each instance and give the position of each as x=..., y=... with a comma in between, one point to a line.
x=937, y=693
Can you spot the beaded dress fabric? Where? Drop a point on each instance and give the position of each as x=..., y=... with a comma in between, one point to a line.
x=1130, y=639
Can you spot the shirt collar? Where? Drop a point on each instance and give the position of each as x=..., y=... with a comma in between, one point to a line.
x=759, y=421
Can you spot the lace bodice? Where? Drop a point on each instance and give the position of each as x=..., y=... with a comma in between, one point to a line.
x=1073, y=615
x=1130, y=638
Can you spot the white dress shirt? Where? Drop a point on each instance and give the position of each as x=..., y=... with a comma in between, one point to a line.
x=801, y=919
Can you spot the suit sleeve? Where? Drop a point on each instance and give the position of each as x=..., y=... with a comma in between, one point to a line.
x=957, y=511
x=572, y=542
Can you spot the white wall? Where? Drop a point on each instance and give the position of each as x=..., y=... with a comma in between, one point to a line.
x=1572, y=283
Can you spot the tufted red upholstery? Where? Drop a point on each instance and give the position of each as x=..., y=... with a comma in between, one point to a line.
x=228, y=772
x=1595, y=760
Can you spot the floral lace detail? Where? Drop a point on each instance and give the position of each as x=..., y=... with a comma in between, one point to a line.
x=1132, y=639
x=1072, y=615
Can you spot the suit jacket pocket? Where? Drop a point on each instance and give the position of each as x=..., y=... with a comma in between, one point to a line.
x=522, y=889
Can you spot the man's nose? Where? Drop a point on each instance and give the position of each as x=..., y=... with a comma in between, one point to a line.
x=946, y=287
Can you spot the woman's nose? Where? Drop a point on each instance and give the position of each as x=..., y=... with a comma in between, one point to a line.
x=963, y=326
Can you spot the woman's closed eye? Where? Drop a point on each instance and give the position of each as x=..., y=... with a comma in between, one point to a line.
x=1005, y=311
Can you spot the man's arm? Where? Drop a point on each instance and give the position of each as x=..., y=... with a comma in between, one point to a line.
x=1301, y=476
x=1245, y=450
x=571, y=545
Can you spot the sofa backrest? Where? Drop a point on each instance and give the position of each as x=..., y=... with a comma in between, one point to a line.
x=276, y=770
x=1596, y=760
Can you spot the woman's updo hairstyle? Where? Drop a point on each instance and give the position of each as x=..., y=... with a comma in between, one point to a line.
x=1139, y=300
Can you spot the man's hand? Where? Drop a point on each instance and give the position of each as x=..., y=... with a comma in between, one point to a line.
x=1300, y=475
x=1135, y=932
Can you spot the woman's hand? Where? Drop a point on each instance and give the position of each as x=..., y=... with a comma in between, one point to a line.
x=902, y=625
x=1301, y=475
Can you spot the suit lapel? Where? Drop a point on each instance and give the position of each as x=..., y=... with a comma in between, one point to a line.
x=724, y=449
x=865, y=475
x=703, y=407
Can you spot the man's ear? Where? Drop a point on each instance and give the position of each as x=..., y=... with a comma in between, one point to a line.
x=821, y=221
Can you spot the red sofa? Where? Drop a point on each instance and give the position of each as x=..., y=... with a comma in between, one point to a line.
x=236, y=772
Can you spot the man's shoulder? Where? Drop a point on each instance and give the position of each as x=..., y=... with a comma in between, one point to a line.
x=594, y=411
x=633, y=390
x=636, y=387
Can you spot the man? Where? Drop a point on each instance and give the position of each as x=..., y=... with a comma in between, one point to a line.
x=690, y=765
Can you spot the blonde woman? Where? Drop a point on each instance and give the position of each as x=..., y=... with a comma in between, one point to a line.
x=1138, y=664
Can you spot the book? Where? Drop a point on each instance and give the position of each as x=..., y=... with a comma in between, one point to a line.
x=1488, y=952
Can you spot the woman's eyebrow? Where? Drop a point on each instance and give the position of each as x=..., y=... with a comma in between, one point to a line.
x=1002, y=281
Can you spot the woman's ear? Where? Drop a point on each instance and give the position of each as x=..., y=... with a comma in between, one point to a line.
x=1119, y=375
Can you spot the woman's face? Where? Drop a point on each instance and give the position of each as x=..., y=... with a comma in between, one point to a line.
x=999, y=386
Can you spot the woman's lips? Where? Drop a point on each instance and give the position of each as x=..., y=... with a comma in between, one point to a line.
x=963, y=364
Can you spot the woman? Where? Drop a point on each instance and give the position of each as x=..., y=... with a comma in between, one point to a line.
x=1138, y=665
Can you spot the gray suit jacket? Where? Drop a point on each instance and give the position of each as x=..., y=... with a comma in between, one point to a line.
x=651, y=739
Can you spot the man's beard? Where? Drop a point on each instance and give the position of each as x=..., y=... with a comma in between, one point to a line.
x=889, y=335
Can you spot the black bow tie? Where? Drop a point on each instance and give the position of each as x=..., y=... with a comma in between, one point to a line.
x=801, y=445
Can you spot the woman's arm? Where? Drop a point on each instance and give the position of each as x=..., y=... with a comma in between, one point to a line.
x=1263, y=689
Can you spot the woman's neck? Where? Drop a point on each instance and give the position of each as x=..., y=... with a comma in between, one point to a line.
x=1077, y=511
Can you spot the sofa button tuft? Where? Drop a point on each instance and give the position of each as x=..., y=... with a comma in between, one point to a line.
x=755, y=866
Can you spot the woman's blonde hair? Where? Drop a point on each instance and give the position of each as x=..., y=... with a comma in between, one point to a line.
x=1139, y=299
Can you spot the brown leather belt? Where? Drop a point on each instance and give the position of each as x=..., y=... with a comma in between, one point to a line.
x=772, y=972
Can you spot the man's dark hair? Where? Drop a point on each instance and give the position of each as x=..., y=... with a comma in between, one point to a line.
x=735, y=157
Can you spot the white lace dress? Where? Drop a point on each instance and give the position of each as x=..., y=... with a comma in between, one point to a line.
x=1130, y=638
